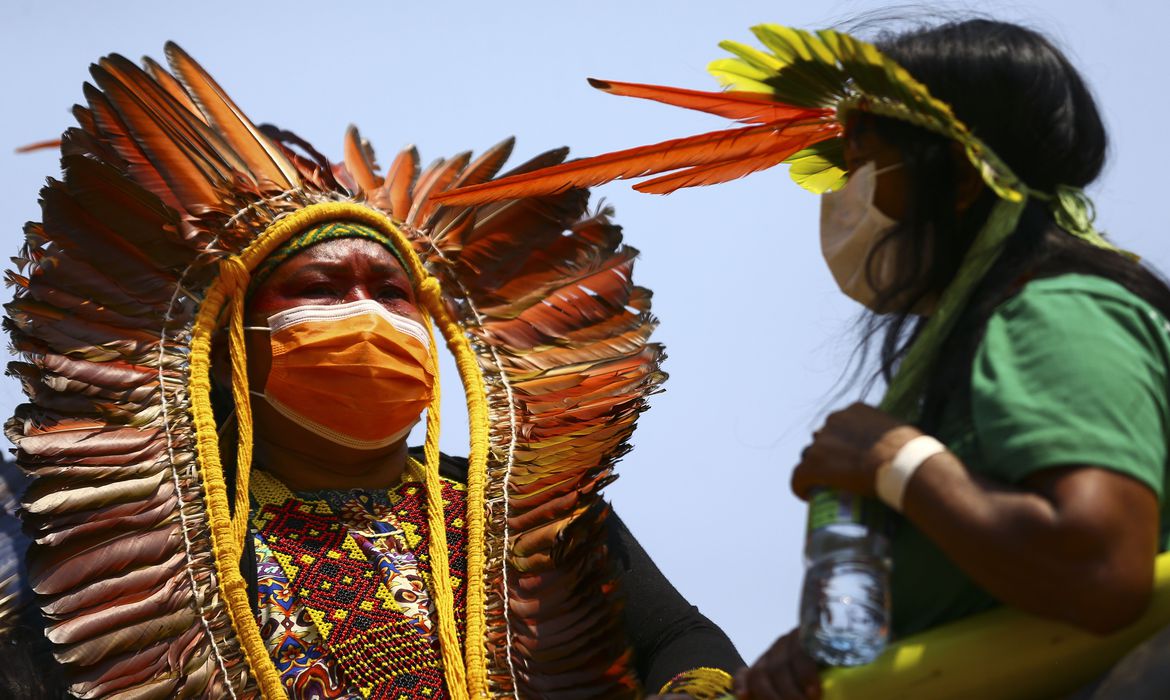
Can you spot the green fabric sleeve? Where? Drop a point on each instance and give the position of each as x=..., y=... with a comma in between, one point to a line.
x=1073, y=371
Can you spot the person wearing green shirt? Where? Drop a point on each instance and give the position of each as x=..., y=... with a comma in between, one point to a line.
x=1022, y=442
x=1071, y=370
x=1035, y=475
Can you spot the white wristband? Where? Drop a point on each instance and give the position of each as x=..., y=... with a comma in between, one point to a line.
x=891, y=479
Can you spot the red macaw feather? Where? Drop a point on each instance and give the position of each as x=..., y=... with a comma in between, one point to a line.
x=704, y=149
x=747, y=107
x=716, y=173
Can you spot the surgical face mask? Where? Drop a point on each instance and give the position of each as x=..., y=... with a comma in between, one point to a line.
x=355, y=374
x=851, y=227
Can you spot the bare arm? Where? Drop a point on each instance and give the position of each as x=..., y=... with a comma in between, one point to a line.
x=1075, y=543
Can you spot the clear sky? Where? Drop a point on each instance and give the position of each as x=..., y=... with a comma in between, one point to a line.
x=757, y=334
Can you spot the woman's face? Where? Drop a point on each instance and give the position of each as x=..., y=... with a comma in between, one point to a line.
x=334, y=272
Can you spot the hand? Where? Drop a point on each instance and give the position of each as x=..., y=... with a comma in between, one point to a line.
x=784, y=672
x=846, y=452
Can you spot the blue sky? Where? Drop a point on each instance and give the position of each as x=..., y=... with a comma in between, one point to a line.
x=757, y=334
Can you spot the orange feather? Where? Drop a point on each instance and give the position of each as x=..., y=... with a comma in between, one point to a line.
x=399, y=181
x=703, y=149
x=265, y=160
x=359, y=161
x=730, y=170
x=747, y=107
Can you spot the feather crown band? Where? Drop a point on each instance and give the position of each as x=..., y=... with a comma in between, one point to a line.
x=320, y=233
x=792, y=99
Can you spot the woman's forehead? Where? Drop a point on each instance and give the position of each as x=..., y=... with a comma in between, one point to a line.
x=344, y=250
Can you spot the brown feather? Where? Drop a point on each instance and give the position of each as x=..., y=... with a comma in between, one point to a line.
x=196, y=177
x=173, y=87
x=400, y=180
x=111, y=129
x=266, y=162
x=486, y=165
x=434, y=179
x=141, y=634
x=121, y=584
x=359, y=161
x=59, y=569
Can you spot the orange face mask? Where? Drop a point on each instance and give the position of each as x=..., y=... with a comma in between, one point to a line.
x=355, y=374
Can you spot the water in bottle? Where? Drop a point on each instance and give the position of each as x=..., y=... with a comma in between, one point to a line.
x=845, y=602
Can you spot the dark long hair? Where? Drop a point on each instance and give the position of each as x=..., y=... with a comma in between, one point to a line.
x=1021, y=96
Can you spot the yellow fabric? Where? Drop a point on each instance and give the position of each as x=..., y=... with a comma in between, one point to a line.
x=466, y=675
x=1003, y=654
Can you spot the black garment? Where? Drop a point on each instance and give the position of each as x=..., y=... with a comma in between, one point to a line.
x=29, y=671
x=668, y=634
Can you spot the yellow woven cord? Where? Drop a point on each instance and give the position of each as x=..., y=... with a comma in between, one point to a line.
x=224, y=545
x=430, y=295
x=236, y=278
x=454, y=670
x=1003, y=654
x=223, y=539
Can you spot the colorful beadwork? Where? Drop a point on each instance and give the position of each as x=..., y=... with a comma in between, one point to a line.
x=701, y=684
x=342, y=587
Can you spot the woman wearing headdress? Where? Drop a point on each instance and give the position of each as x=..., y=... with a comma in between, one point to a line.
x=1025, y=435
x=226, y=341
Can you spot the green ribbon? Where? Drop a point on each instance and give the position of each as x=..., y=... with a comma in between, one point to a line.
x=906, y=387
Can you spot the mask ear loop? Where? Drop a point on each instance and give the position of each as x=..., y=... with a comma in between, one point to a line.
x=238, y=278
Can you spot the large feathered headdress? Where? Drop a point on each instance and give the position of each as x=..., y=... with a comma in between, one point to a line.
x=793, y=99
x=169, y=197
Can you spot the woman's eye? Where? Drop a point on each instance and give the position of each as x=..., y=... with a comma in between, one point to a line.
x=391, y=293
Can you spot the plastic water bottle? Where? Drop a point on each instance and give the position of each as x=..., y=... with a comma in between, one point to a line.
x=845, y=602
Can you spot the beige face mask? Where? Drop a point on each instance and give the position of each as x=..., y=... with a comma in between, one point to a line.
x=851, y=225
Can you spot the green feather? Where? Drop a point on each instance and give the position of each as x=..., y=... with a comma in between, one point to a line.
x=834, y=70
x=737, y=75
x=820, y=167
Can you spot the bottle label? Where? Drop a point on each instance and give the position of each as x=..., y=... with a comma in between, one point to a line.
x=832, y=508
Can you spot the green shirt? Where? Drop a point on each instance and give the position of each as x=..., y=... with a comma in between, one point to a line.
x=1072, y=370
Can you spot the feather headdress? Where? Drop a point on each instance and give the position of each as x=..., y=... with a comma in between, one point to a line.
x=793, y=99
x=169, y=195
